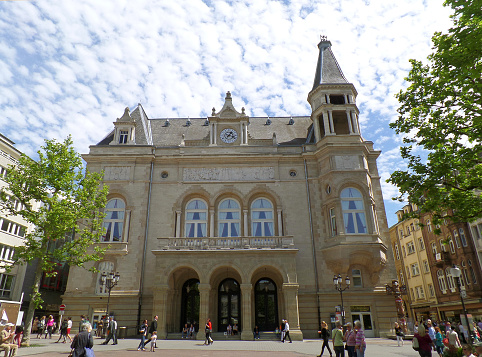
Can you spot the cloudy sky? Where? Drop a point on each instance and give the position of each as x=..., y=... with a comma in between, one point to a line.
x=71, y=67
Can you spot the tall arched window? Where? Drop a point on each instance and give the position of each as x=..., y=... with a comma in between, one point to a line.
x=472, y=272
x=196, y=218
x=229, y=218
x=462, y=237
x=441, y=281
x=114, y=220
x=456, y=237
x=353, y=211
x=450, y=279
x=262, y=218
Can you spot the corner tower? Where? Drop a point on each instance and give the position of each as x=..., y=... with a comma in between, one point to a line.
x=333, y=98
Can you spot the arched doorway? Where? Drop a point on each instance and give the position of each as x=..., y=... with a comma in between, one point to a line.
x=229, y=304
x=266, y=304
x=190, y=303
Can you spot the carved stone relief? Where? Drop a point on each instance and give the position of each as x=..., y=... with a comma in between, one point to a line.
x=229, y=174
x=347, y=162
x=113, y=173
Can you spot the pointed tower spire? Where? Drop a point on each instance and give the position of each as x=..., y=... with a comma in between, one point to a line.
x=328, y=70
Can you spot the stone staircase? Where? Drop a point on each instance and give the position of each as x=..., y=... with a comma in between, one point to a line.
x=220, y=336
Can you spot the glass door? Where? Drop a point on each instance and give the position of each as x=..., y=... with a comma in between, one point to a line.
x=229, y=305
x=266, y=305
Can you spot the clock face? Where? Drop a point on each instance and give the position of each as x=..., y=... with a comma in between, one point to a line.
x=228, y=136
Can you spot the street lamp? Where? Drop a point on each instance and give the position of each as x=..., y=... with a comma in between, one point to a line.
x=109, y=280
x=456, y=273
x=337, y=281
x=397, y=290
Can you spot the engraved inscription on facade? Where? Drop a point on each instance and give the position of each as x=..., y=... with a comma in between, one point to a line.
x=113, y=173
x=347, y=162
x=229, y=174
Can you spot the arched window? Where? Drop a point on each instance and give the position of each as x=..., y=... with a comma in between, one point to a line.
x=114, y=220
x=450, y=279
x=451, y=245
x=464, y=273
x=229, y=218
x=196, y=218
x=472, y=272
x=441, y=281
x=462, y=237
x=104, y=267
x=456, y=237
x=353, y=211
x=262, y=223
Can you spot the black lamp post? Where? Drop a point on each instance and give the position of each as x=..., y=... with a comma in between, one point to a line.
x=456, y=273
x=109, y=281
x=337, y=281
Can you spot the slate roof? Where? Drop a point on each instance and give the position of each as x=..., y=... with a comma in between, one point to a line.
x=172, y=135
x=328, y=70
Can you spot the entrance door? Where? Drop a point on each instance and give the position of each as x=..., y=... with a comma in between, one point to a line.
x=229, y=304
x=190, y=303
x=366, y=320
x=266, y=305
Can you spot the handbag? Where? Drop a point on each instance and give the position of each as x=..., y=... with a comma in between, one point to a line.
x=415, y=344
x=89, y=352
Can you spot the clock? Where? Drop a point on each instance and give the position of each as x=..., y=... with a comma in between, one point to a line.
x=228, y=135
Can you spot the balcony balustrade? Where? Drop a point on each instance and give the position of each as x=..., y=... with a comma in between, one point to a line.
x=216, y=243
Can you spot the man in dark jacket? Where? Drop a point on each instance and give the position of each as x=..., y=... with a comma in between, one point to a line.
x=111, y=331
x=152, y=328
x=81, y=340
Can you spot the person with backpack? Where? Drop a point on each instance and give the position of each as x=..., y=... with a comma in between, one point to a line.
x=63, y=331
x=325, y=336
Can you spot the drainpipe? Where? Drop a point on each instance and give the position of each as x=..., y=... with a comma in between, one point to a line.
x=144, y=253
x=312, y=243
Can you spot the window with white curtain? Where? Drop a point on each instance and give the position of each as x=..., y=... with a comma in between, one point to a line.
x=196, y=219
x=456, y=238
x=450, y=279
x=462, y=237
x=441, y=281
x=229, y=218
x=353, y=211
x=262, y=218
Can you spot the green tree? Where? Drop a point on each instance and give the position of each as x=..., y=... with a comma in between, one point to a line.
x=57, y=198
x=440, y=118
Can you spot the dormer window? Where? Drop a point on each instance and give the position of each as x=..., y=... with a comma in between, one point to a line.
x=123, y=137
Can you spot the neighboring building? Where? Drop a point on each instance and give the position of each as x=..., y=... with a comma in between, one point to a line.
x=413, y=267
x=476, y=234
x=12, y=230
x=242, y=219
x=453, y=246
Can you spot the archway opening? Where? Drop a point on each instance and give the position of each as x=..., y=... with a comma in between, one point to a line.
x=266, y=304
x=190, y=303
x=229, y=305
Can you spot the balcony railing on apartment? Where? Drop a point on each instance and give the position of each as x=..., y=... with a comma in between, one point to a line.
x=216, y=243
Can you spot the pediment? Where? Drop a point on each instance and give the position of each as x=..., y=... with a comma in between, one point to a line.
x=228, y=111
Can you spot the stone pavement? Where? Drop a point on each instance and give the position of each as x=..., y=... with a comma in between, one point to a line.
x=377, y=347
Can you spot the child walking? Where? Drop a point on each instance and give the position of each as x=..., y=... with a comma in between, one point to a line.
x=153, y=340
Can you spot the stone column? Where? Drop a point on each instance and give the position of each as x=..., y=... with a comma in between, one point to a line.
x=245, y=223
x=241, y=133
x=280, y=223
x=160, y=308
x=247, y=328
x=356, y=128
x=203, y=309
x=211, y=223
x=348, y=117
x=246, y=133
x=290, y=292
x=178, y=224
x=316, y=126
x=325, y=123
x=215, y=134
x=332, y=127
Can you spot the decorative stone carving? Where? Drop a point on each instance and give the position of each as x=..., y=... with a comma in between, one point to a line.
x=347, y=162
x=229, y=174
x=114, y=173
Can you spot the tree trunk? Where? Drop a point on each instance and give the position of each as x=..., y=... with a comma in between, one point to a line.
x=32, y=305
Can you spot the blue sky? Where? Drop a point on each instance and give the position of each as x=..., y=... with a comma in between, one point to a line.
x=71, y=67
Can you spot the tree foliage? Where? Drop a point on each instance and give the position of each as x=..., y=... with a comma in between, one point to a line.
x=58, y=199
x=441, y=114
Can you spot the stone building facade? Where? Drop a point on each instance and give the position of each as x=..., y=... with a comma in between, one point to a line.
x=243, y=219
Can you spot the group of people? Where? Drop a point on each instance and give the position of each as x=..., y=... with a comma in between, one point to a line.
x=352, y=339
x=148, y=334
x=232, y=330
x=44, y=326
x=445, y=335
x=188, y=331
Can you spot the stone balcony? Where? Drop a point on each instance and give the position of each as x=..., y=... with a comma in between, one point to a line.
x=218, y=243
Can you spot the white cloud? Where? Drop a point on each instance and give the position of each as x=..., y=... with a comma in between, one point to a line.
x=71, y=67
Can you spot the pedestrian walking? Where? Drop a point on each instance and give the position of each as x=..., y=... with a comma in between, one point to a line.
x=143, y=331
x=337, y=338
x=325, y=336
x=111, y=331
x=82, y=341
x=153, y=340
x=282, y=330
x=69, y=327
x=63, y=331
x=360, y=345
x=287, y=332
x=208, y=329
x=399, y=333
x=350, y=340
x=425, y=343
